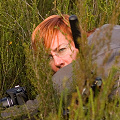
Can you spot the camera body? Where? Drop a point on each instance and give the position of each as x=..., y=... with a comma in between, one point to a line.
x=15, y=96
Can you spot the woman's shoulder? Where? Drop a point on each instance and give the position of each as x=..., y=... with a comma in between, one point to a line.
x=107, y=32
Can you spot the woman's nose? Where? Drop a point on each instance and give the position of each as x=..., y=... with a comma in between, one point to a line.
x=58, y=61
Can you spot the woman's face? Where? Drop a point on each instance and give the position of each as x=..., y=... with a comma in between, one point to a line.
x=62, y=52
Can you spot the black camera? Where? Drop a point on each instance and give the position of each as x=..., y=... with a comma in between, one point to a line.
x=15, y=96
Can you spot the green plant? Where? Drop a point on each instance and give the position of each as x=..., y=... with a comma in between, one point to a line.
x=18, y=65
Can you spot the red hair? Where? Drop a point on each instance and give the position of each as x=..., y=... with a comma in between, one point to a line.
x=48, y=29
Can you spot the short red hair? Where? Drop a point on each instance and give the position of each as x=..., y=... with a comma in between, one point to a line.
x=48, y=29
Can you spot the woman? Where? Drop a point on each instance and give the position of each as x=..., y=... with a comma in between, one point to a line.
x=56, y=34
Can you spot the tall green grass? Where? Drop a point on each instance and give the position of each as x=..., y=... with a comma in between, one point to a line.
x=18, y=18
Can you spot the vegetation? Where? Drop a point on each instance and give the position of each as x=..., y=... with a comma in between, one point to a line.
x=18, y=18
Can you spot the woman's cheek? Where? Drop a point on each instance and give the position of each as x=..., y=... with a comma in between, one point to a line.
x=53, y=67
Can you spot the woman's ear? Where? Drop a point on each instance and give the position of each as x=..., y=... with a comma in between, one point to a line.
x=77, y=50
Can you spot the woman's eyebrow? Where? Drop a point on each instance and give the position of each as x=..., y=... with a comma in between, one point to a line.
x=58, y=47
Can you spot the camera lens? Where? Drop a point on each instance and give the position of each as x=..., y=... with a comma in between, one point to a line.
x=6, y=102
x=19, y=90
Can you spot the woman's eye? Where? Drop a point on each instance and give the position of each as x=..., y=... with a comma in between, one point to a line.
x=62, y=49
